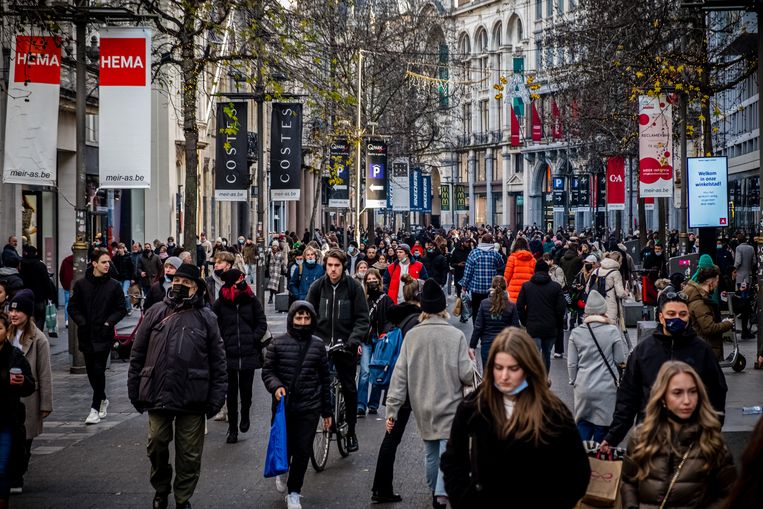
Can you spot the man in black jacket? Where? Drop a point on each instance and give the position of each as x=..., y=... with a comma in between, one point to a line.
x=177, y=374
x=541, y=309
x=435, y=263
x=673, y=340
x=342, y=317
x=125, y=269
x=306, y=387
x=36, y=278
x=149, y=266
x=458, y=260
x=242, y=325
x=96, y=305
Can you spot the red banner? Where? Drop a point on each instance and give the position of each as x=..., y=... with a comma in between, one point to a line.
x=556, y=120
x=616, y=183
x=515, y=142
x=37, y=60
x=537, y=129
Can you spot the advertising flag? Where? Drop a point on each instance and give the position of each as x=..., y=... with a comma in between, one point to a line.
x=601, y=192
x=31, y=119
x=124, y=108
x=286, y=151
x=615, y=183
x=398, y=185
x=339, y=154
x=655, y=147
x=426, y=193
x=444, y=197
x=415, y=190
x=460, y=192
x=376, y=176
x=537, y=126
x=515, y=141
x=556, y=119
x=231, y=146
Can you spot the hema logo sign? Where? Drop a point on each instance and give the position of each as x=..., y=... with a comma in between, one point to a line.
x=37, y=60
x=123, y=62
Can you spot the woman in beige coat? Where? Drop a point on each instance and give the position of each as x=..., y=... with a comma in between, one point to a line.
x=26, y=336
x=615, y=290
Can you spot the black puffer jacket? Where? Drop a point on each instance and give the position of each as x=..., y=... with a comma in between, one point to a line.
x=178, y=360
x=641, y=371
x=311, y=391
x=342, y=311
x=94, y=302
x=10, y=395
x=541, y=306
x=437, y=266
x=457, y=257
x=487, y=326
x=378, y=305
x=242, y=324
x=36, y=278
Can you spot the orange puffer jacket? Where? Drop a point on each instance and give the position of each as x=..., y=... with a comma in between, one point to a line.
x=519, y=268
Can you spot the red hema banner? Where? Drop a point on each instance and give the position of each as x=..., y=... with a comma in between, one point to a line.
x=123, y=62
x=616, y=183
x=537, y=126
x=37, y=60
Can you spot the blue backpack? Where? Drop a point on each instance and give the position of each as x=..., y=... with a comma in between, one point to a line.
x=385, y=355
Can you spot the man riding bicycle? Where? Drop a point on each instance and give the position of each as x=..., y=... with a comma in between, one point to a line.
x=342, y=317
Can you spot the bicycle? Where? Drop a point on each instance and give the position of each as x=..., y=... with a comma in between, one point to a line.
x=323, y=437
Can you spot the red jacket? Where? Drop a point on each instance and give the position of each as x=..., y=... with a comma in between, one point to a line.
x=520, y=267
x=393, y=274
x=66, y=272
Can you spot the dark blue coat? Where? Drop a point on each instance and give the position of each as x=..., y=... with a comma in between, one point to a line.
x=487, y=326
x=299, y=284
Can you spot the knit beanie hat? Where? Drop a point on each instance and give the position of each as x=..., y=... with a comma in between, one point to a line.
x=432, y=297
x=231, y=277
x=541, y=266
x=174, y=261
x=23, y=301
x=705, y=262
x=596, y=304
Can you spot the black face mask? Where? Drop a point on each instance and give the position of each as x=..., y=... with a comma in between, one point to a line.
x=373, y=286
x=219, y=273
x=179, y=292
x=303, y=331
x=241, y=285
x=588, y=266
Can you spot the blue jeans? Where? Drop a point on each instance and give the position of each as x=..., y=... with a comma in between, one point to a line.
x=545, y=345
x=67, y=294
x=433, y=449
x=590, y=431
x=6, y=440
x=364, y=400
x=125, y=287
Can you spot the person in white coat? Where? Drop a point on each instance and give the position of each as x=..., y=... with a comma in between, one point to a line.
x=615, y=290
x=594, y=353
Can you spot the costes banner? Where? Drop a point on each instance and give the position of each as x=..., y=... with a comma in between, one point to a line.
x=398, y=185
x=124, y=108
x=376, y=176
x=615, y=183
x=339, y=154
x=231, y=146
x=286, y=151
x=655, y=120
x=31, y=120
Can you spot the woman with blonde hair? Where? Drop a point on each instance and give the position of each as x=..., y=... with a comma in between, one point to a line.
x=677, y=456
x=494, y=314
x=512, y=435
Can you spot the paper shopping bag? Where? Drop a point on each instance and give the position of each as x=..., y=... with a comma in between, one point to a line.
x=277, y=457
x=604, y=486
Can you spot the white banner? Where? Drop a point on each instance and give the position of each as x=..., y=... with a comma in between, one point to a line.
x=398, y=185
x=655, y=132
x=124, y=131
x=31, y=120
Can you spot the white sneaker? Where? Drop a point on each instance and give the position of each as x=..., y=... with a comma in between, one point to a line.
x=292, y=501
x=281, y=482
x=18, y=490
x=102, y=413
x=92, y=417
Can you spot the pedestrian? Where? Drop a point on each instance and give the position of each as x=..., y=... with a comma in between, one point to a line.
x=35, y=275
x=161, y=286
x=242, y=324
x=432, y=370
x=96, y=306
x=306, y=274
x=353, y=257
x=5, y=298
x=506, y=432
x=24, y=335
x=494, y=314
x=378, y=305
x=482, y=264
x=673, y=339
x=296, y=367
x=381, y=263
x=125, y=270
x=65, y=277
x=557, y=276
x=16, y=382
x=9, y=274
x=677, y=457
x=608, y=278
x=342, y=318
x=520, y=267
x=360, y=273
x=744, y=263
x=402, y=264
x=276, y=264
x=149, y=266
x=177, y=374
x=249, y=253
x=10, y=250
x=704, y=312
x=595, y=355
x=578, y=293
x=436, y=263
x=748, y=490
x=405, y=316
x=571, y=262
x=541, y=310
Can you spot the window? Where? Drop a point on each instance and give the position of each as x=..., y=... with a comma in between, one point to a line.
x=549, y=8
x=91, y=129
x=481, y=167
x=560, y=6
x=517, y=163
x=496, y=169
x=442, y=74
x=463, y=167
x=466, y=116
x=499, y=115
x=484, y=116
x=538, y=9
x=538, y=53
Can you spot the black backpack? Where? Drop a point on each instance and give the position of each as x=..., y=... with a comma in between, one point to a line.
x=599, y=282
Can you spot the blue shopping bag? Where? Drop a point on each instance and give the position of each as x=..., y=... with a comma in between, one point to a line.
x=277, y=457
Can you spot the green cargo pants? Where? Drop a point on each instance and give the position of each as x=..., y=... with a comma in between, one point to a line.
x=189, y=443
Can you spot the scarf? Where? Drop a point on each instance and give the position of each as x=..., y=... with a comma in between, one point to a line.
x=233, y=292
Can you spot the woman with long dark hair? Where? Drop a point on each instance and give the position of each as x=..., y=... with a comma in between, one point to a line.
x=512, y=435
x=494, y=314
x=677, y=456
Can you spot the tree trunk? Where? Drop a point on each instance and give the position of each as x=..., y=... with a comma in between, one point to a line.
x=317, y=196
x=190, y=79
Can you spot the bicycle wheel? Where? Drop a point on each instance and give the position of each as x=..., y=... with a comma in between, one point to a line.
x=341, y=427
x=320, y=453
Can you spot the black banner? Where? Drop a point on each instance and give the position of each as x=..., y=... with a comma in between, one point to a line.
x=574, y=193
x=285, y=151
x=584, y=190
x=339, y=157
x=601, y=192
x=231, y=148
x=376, y=176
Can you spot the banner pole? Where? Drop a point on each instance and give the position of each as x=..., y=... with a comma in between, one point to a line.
x=359, y=134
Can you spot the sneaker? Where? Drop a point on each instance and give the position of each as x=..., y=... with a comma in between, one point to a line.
x=160, y=501
x=17, y=490
x=281, y=482
x=102, y=413
x=352, y=443
x=372, y=411
x=92, y=417
x=361, y=413
x=558, y=355
x=222, y=415
x=292, y=501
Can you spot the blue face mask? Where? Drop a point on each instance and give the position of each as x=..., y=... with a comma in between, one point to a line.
x=675, y=325
x=310, y=262
x=516, y=390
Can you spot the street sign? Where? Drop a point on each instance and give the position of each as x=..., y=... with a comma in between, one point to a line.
x=376, y=175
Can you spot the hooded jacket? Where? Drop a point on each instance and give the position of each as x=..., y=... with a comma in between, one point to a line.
x=641, y=371
x=520, y=267
x=312, y=390
x=610, y=270
x=571, y=264
x=705, y=317
x=242, y=324
x=96, y=301
x=541, y=306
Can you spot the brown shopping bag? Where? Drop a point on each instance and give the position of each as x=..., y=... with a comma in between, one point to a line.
x=604, y=486
x=457, y=307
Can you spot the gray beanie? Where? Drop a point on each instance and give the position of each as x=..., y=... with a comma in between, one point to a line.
x=595, y=305
x=174, y=261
